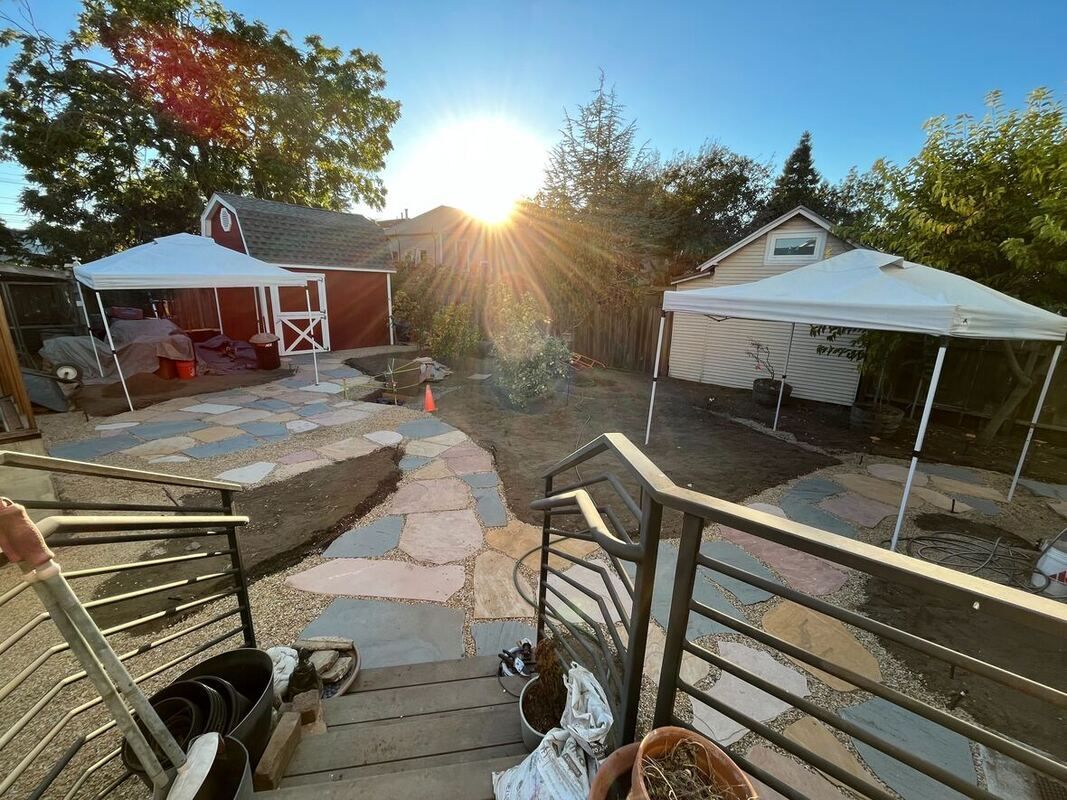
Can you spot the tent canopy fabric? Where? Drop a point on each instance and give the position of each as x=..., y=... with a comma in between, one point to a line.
x=182, y=261
x=871, y=290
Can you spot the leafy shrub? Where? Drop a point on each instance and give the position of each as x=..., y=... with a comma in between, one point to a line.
x=452, y=333
x=529, y=361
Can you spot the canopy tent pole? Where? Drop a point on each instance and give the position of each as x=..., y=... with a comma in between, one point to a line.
x=114, y=352
x=389, y=298
x=927, y=408
x=785, y=370
x=655, y=374
x=218, y=309
x=311, y=332
x=259, y=318
x=89, y=327
x=1033, y=420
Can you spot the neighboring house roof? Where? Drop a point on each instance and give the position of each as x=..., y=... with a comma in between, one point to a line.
x=436, y=220
x=291, y=235
x=712, y=262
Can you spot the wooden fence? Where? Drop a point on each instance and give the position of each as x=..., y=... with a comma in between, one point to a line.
x=624, y=338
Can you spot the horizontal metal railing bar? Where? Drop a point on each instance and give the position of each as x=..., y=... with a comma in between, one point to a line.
x=153, y=562
x=56, y=768
x=593, y=624
x=125, y=538
x=991, y=739
x=61, y=525
x=605, y=652
x=579, y=636
x=978, y=667
x=617, y=525
x=163, y=587
x=891, y=749
x=68, y=505
x=605, y=538
x=89, y=771
x=9, y=458
x=787, y=791
x=610, y=479
x=624, y=614
x=624, y=576
x=13, y=592
x=115, y=784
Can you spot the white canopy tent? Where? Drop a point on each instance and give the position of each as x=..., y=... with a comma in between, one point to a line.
x=184, y=261
x=877, y=291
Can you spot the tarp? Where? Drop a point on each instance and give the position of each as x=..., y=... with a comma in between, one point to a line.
x=182, y=261
x=871, y=290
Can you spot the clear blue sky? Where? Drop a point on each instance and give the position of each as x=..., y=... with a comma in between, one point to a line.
x=861, y=76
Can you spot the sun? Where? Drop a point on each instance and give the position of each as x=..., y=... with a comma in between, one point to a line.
x=482, y=165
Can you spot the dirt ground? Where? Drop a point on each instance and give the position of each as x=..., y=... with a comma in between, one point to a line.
x=288, y=520
x=146, y=389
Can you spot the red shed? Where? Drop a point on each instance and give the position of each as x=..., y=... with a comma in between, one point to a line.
x=345, y=256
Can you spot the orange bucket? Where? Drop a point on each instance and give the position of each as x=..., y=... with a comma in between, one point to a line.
x=186, y=369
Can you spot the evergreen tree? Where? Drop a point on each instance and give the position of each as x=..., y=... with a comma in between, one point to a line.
x=800, y=184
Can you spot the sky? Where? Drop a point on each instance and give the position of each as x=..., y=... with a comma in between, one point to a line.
x=484, y=85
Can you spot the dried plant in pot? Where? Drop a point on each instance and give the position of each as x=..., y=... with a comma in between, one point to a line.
x=544, y=696
x=765, y=390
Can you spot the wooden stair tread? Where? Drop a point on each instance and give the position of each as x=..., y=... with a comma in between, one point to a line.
x=429, y=672
x=408, y=701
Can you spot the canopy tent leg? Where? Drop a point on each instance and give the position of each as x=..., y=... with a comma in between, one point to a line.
x=923, y=422
x=259, y=316
x=311, y=331
x=114, y=352
x=785, y=370
x=655, y=375
x=89, y=327
x=389, y=297
x=1033, y=420
x=218, y=310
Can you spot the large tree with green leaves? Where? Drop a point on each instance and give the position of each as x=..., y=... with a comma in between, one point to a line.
x=799, y=184
x=127, y=125
x=987, y=199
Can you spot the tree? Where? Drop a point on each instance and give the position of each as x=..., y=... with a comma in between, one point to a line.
x=709, y=198
x=986, y=199
x=799, y=184
x=125, y=128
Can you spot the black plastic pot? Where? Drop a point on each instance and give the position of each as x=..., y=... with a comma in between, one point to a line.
x=765, y=392
x=881, y=420
x=231, y=775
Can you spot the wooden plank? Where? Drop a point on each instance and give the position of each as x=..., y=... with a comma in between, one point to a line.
x=395, y=740
x=409, y=701
x=461, y=781
x=430, y=672
x=518, y=749
x=11, y=373
x=280, y=749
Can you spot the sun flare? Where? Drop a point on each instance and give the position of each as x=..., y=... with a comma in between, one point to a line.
x=482, y=166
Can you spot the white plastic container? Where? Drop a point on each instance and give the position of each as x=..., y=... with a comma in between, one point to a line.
x=1053, y=563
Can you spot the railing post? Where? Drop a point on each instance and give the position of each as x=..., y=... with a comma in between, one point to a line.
x=241, y=577
x=542, y=571
x=684, y=579
x=640, y=614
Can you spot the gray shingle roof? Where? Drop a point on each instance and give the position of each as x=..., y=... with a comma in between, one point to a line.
x=281, y=233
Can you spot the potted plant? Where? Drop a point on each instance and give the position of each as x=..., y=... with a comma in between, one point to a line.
x=765, y=390
x=544, y=696
x=673, y=762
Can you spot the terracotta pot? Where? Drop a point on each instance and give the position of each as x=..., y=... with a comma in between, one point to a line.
x=713, y=762
x=613, y=767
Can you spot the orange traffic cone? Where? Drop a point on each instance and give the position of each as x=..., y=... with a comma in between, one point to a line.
x=428, y=405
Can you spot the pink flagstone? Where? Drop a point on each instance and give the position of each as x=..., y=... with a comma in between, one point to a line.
x=853, y=507
x=805, y=573
x=368, y=577
x=441, y=536
x=299, y=457
x=440, y=494
x=467, y=458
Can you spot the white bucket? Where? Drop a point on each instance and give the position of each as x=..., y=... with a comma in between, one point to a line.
x=1053, y=563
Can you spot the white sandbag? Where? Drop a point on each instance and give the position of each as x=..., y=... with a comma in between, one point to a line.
x=284, y=661
x=587, y=715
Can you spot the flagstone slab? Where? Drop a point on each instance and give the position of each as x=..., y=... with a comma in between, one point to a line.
x=693, y=669
x=490, y=507
x=161, y=447
x=229, y=398
x=270, y=404
x=481, y=480
x=434, y=468
x=1056, y=491
x=210, y=408
x=897, y=473
x=495, y=595
x=342, y=372
x=593, y=581
x=744, y=697
x=941, y=501
x=825, y=637
x=449, y=439
x=801, y=511
x=281, y=417
x=441, y=537
x=342, y=416
x=241, y=415
x=856, y=508
x=468, y=458
x=1059, y=506
x=299, y=457
x=492, y=637
x=955, y=472
x=805, y=573
x=1006, y=777
x=792, y=773
x=876, y=489
x=410, y=463
x=479, y=376
x=915, y=734
x=165, y=430
x=812, y=734
x=736, y=557
x=423, y=428
x=517, y=538
x=380, y=578
x=115, y=426
x=392, y=634
x=169, y=460
x=248, y=474
x=297, y=399
x=440, y=494
x=89, y=449
x=963, y=487
x=266, y=430
x=980, y=504
x=224, y=447
x=422, y=447
x=286, y=471
x=323, y=387
x=300, y=426
x=385, y=438
x=812, y=490
x=352, y=447
x=374, y=539
x=216, y=433
x=311, y=409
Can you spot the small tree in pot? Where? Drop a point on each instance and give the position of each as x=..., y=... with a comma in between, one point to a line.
x=544, y=696
x=765, y=390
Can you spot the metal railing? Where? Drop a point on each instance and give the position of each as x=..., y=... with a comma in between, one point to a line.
x=55, y=739
x=1045, y=617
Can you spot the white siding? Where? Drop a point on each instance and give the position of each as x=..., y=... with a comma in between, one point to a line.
x=706, y=351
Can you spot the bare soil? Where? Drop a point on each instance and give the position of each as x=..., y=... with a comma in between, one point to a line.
x=288, y=520
x=147, y=388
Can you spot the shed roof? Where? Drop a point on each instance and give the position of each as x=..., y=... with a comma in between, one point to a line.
x=283, y=233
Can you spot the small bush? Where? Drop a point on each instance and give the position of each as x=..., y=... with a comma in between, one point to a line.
x=529, y=361
x=452, y=333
